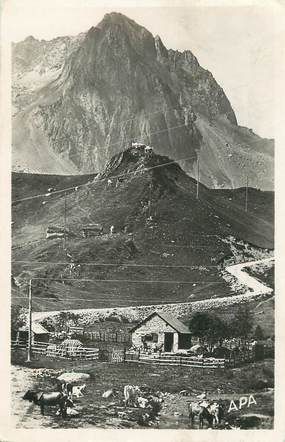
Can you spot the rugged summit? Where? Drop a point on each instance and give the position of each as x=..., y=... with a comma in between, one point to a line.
x=94, y=93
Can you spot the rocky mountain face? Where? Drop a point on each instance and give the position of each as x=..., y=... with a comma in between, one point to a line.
x=78, y=101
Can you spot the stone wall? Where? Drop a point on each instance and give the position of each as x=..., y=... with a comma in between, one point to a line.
x=87, y=317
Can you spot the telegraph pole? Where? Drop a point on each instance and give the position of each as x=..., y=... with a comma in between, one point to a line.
x=30, y=323
x=246, y=194
x=65, y=207
x=198, y=178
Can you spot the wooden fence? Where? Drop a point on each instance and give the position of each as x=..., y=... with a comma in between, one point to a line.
x=102, y=336
x=194, y=362
x=57, y=351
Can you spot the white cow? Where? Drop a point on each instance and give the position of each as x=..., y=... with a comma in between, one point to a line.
x=77, y=390
x=131, y=393
x=142, y=402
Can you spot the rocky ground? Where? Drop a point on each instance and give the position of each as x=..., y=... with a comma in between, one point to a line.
x=94, y=410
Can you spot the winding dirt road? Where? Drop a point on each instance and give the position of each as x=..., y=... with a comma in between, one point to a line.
x=255, y=287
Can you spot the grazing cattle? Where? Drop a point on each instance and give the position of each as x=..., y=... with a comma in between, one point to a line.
x=69, y=412
x=72, y=390
x=217, y=411
x=131, y=393
x=77, y=391
x=142, y=402
x=154, y=404
x=201, y=411
x=212, y=411
x=49, y=399
x=110, y=393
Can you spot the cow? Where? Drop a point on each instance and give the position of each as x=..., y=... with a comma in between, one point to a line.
x=131, y=393
x=53, y=398
x=200, y=409
x=217, y=411
x=73, y=390
x=212, y=411
x=112, y=392
x=142, y=402
x=77, y=390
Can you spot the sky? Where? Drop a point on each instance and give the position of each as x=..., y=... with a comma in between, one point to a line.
x=239, y=43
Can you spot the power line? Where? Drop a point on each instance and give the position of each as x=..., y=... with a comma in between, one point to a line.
x=246, y=194
x=112, y=264
x=135, y=301
x=147, y=169
x=125, y=174
x=128, y=281
x=129, y=173
x=198, y=176
x=65, y=210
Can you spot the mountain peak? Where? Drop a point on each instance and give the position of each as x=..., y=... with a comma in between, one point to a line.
x=117, y=83
x=127, y=24
x=117, y=18
x=30, y=39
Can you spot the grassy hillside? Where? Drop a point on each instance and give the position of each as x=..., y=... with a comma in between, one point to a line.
x=159, y=226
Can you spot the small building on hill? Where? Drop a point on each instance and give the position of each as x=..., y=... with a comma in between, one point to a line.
x=161, y=331
x=91, y=230
x=39, y=333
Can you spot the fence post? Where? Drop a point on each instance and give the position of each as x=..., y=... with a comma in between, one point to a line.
x=139, y=353
x=124, y=357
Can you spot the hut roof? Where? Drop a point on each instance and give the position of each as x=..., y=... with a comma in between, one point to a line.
x=92, y=226
x=173, y=322
x=37, y=329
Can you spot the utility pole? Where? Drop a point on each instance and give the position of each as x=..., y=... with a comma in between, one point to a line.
x=30, y=323
x=65, y=204
x=198, y=178
x=246, y=194
x=149, y=201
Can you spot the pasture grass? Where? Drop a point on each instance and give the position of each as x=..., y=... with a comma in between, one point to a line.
x=225, y=385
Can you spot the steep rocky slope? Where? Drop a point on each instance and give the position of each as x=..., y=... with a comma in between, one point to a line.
x=96, y=92
x=161, y=233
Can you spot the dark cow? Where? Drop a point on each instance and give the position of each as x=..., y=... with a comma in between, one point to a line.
x=201, y=411
x=53, y=398
x=213, y=412
x=217, y=410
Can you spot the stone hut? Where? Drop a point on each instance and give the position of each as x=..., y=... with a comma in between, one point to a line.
x=161, y=331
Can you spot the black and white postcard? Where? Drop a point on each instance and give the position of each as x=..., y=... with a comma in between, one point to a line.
x=139, y=147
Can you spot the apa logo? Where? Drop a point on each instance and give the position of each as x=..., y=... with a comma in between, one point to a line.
x=243, y=401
